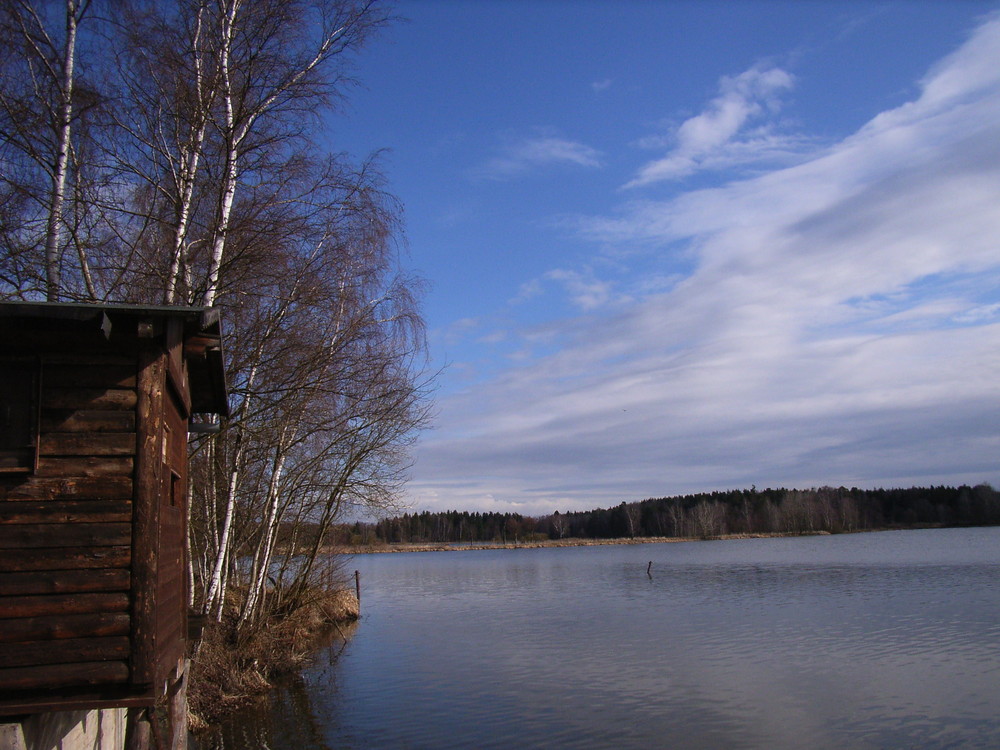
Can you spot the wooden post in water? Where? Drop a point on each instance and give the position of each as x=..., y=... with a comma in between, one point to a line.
x=648, y=568
x=357, y=588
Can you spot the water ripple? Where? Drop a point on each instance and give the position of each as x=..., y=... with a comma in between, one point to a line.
x=862, y=641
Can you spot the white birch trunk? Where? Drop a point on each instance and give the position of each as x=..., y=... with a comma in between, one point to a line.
x=236, y=134
x=81, y=253
x=54, y=229
x=216, y=593
x=188, y=173
x=231, y=170
x=265, y=548
x=190, y=157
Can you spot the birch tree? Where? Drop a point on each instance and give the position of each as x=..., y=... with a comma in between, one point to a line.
x=39, y=108
x=168, y=83
x=203, y=182
x=278, y=61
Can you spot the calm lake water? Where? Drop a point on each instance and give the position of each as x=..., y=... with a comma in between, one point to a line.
x=881, y=640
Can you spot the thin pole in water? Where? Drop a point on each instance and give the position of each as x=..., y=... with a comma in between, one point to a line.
x=648, y=568
x=357, y=587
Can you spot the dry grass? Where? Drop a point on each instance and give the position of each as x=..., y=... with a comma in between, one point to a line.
x=568, y=542
x=232, y=670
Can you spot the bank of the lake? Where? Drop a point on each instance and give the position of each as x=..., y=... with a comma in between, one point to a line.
x=388, y=548
x=231, y=670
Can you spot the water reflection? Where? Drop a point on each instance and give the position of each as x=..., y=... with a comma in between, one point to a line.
x=288, y=719
x=863, y=641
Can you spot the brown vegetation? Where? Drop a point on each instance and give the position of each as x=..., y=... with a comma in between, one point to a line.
x=233, y=668
x=379, y=547
x=177, y=153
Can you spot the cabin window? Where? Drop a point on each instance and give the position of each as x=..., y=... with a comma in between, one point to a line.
x=176, y=490
x=18, y=414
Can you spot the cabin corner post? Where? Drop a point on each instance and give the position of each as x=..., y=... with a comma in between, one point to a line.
x=150, y=386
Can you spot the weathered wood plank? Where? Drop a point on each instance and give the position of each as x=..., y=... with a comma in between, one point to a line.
x=77, y=698
x=88, y=398
x=66, y=511
x=81, y=558
x=66, y=488
x=87, y=420
x=21, y=607
x=65, y=626
x=171, y=517
x=176, y=369
x=63, y=675
x=170, y=650
x=65, y=651
x=169, y=576
x=177, y=450
x=172, y=629
x=89, y=375
x=87, y=343
x=85, y=466
x=104, y=359
x=170, y=644
x=35, y=535
x=150, y=389
x=86, y=444
x=23, y=583
x=175, y=585
x=170, y=647
x=170, y=601
x=170, y=565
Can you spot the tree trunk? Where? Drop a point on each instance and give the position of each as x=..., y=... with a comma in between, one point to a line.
x=265, y=548
x=54, y=229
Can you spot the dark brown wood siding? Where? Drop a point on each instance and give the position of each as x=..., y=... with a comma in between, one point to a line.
x=93, y=498
x=171, y=578
x=66, y=533
x=160, y=533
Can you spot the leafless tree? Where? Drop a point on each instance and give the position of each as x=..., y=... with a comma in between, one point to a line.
x=709, y=517
x=205, y=184
x=41, y=107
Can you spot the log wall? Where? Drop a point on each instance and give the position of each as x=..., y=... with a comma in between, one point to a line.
x=66, y=533
x=93, y=495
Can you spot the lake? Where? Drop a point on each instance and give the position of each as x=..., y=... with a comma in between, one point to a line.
x=878, y=640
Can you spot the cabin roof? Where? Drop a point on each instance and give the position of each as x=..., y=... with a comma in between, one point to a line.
x=202, y=332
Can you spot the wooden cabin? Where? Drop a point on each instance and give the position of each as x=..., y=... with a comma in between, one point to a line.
x=95, y=409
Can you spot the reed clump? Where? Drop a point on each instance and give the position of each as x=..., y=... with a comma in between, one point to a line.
x=233, y=667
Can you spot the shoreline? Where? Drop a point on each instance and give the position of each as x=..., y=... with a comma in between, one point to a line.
x=390, y=548
x=229, y=673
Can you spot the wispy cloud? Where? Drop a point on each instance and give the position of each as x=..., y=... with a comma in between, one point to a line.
x=543, y=151
x=721, y=135
x=840, y=325
x=585, y=290
x=978, y=315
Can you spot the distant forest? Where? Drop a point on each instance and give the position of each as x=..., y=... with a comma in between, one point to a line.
x=752, y=511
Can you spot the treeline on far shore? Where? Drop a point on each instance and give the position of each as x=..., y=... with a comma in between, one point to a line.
x=753, y=511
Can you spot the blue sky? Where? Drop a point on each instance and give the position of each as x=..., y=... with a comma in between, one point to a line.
x=684, y=246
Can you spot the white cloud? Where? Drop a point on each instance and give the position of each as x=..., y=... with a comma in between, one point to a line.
x=839, y=326
x=542, y=151
x=601, y=85
x=459, y=330
x=979, y=314
x=719, y=137
x=527, y=291
x=586, y=291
